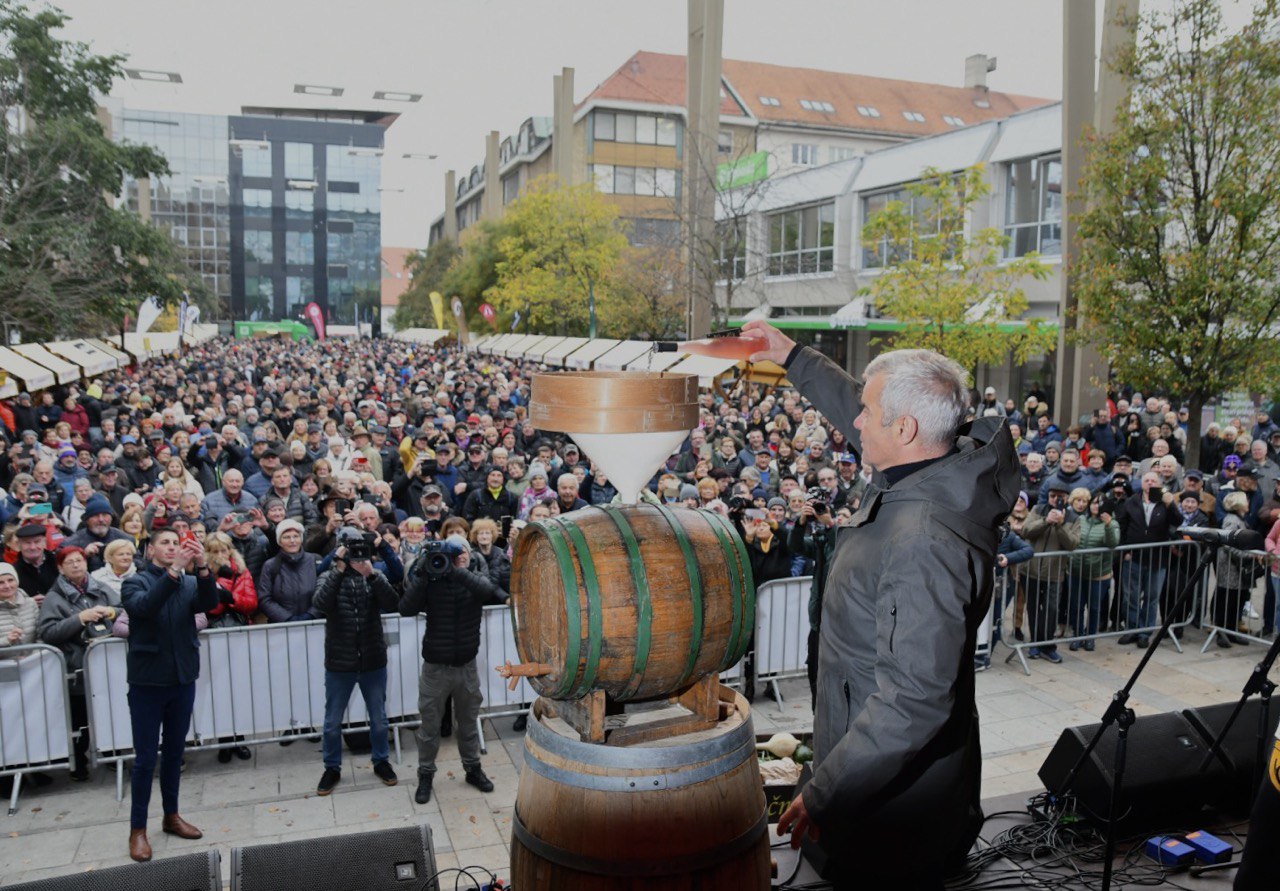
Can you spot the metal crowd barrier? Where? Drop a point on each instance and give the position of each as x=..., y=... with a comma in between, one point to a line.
x=1171, y=562
x=35, y=713
x=782, y=630
x=1245, y=575
x=497, y=647
x=258, y=684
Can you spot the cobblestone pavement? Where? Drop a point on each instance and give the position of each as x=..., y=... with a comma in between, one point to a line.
x=71, y=827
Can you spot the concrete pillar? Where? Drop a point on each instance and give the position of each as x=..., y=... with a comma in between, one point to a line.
x=491, y=201
x=451, y=205
x=562, y=141
x=144, y=199
x=706, y=37
x=1074, y=393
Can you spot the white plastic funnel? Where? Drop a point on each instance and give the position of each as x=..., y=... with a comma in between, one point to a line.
x=629, y=459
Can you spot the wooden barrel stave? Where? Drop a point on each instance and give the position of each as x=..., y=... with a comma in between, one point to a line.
x=638, y=601
x=585, y=820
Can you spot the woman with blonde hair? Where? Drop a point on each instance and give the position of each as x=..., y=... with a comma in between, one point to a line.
x=484, y=536
x=237, y=595
x=117, y=564
x=133, y=523
x=174, y=469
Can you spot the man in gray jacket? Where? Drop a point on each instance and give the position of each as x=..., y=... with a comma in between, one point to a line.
x=897, y=764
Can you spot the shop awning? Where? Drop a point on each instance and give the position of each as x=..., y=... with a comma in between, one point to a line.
x=201, y=332
x=539, y=349
x=79, y=352
x=496, y=346
x=583, y=357
x=516, y=348
x=430, y=336
x=140, y=345
x=557, y=354
x=852, y=315
x=622, y=355
x=709, y=369
x=122, y=356
x=651, y=361
x=163, y=341
x=481, y=345
x=32, y=375
x=63, y=370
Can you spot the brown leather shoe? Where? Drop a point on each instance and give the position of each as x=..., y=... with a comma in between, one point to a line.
x=175, y=825
x=139, y=847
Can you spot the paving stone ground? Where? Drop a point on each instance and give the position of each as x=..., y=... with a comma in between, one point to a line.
x=72, y=827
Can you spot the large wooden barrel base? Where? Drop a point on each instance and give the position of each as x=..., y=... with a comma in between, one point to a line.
x=686, y=813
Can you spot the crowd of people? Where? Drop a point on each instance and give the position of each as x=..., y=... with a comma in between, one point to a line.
x=278, y=458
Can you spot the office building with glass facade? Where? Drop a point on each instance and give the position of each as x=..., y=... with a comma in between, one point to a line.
x=275, y=207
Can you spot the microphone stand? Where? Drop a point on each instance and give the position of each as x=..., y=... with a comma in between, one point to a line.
x=1118, y=712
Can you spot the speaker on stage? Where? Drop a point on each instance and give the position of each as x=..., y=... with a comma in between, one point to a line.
x=201, y=871
x=1240, y=747
x=1163, y=784
x=400, y=859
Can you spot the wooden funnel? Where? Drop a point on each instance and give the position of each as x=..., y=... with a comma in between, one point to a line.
x=627, y=422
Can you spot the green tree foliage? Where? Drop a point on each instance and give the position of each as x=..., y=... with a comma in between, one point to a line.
x=1179, y=275
x=426, y=270
x=69, y=261
x=562, y=247
x=953, y=291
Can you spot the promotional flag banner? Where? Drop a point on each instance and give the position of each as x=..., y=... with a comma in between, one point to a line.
x=490, y=314
x=148, y=312
x=316, y=318
x=437, y=304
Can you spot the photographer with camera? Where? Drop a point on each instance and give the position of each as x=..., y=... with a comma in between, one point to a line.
x=814, y=536
x=352, y=596
x=452, y=597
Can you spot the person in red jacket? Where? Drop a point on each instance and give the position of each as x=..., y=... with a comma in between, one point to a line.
x=237, y=604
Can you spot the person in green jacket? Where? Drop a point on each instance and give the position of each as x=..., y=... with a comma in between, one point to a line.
x=1089, y=572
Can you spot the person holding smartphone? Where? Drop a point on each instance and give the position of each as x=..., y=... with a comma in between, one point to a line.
x=163, y=664
x=1146, y=517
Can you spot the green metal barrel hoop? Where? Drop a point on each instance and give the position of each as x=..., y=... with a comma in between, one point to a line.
x=644, y=603
x=595, y=615
x=694, y=573
x=574, y=622
x=744, y=590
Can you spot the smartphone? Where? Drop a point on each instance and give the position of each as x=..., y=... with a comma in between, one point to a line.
x=43, y=509
x=756, y=513
x=240, y=517
x=186, y=537
x=342, y=505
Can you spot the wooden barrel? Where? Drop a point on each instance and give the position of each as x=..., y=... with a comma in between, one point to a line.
x=685, y=814
x=639, y=601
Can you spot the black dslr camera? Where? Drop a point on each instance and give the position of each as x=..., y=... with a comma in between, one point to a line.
x=359, y=547
x=818, y=497
x=437, y=557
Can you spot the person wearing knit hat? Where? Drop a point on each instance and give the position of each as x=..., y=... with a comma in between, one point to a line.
x=19, y=611
x=689, y=495
x=287, y=525
x=96, y=531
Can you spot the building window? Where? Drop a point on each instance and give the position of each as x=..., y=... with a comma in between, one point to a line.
x=953, y=120
x=646, y=129
x=1033, y=207
x=666, y=182
x=662, y=182
x=914, y=116
x=802, y=242
x=925, y=221
x=624, y=128
x=841, y=153
x=510, y=188
x=724, y=143
x=603, y=126
x=257, y=204
x=257, y=246
x=256, y=160
x=731, y=242
x=667, y=131
x=299, y=248
x=602, y=174
x=624, y=180
x=646, y=231
x=815, y=105
x=868, y=111
x=770, y=100
x=299, y=204
x=299, y=161
x=804, y=153
x=299, y=291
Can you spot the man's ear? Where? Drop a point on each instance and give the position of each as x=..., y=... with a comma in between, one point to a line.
x=908, y=429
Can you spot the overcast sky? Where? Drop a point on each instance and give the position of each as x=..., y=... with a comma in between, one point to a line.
x=487, y=64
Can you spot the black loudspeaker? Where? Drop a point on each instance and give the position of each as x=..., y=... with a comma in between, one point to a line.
x=1240, y=748
x=1163, y=784
x=201, y=871
x=400, y=859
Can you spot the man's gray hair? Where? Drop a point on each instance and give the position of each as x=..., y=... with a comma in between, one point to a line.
x=926, y=386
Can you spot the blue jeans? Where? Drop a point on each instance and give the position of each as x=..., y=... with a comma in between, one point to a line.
x=152, y=709
x=1143, y=583
x=1084, y=593
x=337, y=693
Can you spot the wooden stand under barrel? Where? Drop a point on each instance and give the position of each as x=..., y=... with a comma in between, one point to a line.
x=640, y=768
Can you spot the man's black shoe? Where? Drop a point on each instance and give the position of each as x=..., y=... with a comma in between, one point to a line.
x=1126, y=639
x=423, y=793
x=328, y=780
x=224, y=756
x=476, y=777
x=520, y=724
x=382, y=770
x=242, y=752
x=1143, y=641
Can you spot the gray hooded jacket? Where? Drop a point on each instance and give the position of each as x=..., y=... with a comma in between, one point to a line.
x=896, y=728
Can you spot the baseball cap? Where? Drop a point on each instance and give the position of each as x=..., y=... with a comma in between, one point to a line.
x=428, y=491
x=1195, y=474
x=846, y=458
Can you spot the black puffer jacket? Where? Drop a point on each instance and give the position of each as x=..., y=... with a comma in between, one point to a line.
x=353, y=606
x=453, y=606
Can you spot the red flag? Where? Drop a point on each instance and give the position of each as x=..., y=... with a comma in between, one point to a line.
x=316, y=318
x=489, y=313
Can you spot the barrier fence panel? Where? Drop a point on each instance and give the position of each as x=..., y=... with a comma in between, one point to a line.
x=1062, y=590
x=497, y=647
x=1236, y=596
x=35, y=713
x=782, y=630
